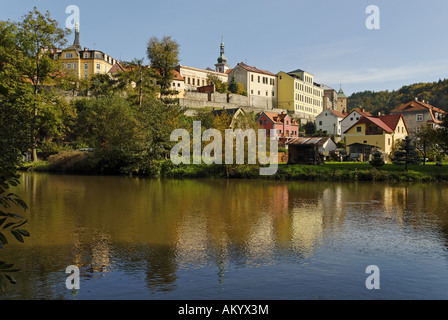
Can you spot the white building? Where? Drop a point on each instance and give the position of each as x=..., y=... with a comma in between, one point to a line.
x=260, y=85
x=196, y=77
x=330, y=121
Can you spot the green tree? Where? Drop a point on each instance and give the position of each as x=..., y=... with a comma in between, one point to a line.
x=377, y=159
x=442, y=136
x=426, y=138
x=310, y=128
x=138, y=79
x=233, y=85
x=108, y=124
x=406, y=154
x=103, y=85
x=36, y=35
x=164, y=57
x=15, y=97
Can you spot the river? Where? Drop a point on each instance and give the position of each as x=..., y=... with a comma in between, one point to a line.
x=137, y=238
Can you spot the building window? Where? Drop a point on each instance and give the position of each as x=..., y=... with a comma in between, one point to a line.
x=261, y=122
x=320, y=123
x=258, y=79
x=74, y=66
x=86, y=66
x=420, y=117
x=86, y=55
x=358, y=129
x=251, y=91
x=388, y=141
x=68, y=55
x=273, y=93
x=98, y=67
x=258, y=92
x=265, y=122
x=69, y=65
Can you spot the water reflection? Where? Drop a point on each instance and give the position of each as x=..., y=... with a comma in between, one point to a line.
x=156, y=230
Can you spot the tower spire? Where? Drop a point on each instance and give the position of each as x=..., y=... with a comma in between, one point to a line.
x=221, y=66
x=76, y=43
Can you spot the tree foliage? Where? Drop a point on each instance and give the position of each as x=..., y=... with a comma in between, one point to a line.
x=377, y=159
x=406, y=154
x=164, y=57
x=435, y=93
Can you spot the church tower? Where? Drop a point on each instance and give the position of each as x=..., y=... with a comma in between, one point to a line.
x=342, y=101
x=222, y=66
x=76, y=43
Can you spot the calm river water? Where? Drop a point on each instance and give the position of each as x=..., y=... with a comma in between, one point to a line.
x=135, y=238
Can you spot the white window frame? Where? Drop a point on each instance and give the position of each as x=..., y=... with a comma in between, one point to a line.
x=419, y=117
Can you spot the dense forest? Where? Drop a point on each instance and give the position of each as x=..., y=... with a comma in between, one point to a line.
x=435, y=93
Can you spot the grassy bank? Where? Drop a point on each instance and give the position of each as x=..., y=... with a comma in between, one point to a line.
x=76, y=163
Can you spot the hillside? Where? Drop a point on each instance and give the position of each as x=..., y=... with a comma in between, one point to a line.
x=435, y=93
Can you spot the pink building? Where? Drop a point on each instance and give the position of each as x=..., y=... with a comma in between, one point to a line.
x=282, y=122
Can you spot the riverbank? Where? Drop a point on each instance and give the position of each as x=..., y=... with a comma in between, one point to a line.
x=330, y=171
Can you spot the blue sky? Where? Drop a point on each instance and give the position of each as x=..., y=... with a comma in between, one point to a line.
x=327, y=38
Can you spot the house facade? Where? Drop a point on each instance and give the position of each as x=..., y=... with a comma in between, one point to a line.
x=418, y=113
x=298, y=92
x=196, y=77
x=330, y=121
x=83, y=62
x=284, y=125
x=370, y=133
x=351, y=118
x=260, y=85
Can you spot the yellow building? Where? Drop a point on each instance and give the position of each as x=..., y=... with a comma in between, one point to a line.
x=298, y=92
x=84, y=62
x=371, y=133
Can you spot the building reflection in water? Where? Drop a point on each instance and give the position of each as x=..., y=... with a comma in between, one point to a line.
x=158, y=228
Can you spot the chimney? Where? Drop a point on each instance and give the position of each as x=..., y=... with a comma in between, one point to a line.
x=416, y=99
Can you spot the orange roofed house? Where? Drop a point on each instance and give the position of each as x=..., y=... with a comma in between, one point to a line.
x=282, y=122
x=370, y=133
x=418, y=113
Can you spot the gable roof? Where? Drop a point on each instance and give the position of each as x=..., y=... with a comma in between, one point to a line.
x=373, y=120
x=116, y=68
x=336, y=113
x=277, y=118
x=362, y=112
x=391, y=120
x=253, y=69
x=417, y=105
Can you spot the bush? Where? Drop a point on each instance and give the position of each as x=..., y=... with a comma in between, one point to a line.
x=70, y=161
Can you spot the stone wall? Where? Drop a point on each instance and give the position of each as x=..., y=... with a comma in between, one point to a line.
x=221, y=100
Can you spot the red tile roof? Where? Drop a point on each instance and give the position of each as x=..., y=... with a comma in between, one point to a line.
x=391, y=120
x=278, y=118
x=337, y=113
x=361, y=112
x=417, y=105
x=253, y=69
